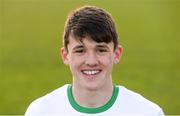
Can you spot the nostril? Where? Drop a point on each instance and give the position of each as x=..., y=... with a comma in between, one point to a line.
x=91, y=65
x=91, y=62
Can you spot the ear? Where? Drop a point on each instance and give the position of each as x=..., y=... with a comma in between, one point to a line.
x=64, y=55
x=118, y=54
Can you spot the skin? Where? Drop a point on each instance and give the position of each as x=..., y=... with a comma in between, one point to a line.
x=91, y=65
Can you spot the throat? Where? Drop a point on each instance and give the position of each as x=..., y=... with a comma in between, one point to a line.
x=92, y=99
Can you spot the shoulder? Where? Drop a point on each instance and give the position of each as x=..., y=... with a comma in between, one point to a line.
x=137, y=103
x=47, y=102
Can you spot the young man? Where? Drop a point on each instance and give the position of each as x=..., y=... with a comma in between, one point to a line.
x=90, y=50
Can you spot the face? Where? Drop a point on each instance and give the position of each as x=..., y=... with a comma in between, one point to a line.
x=90, y=62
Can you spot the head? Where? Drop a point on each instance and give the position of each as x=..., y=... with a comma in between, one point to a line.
x=92, y=22
x=90, y=47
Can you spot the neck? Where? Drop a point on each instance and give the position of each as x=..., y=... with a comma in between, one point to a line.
x=92, y=98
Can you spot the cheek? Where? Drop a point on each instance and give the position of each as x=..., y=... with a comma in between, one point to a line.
x=75, y=63
x=107, y=60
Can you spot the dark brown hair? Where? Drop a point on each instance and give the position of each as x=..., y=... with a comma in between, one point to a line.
x=92, y=22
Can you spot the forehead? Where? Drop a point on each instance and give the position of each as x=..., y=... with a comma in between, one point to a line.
x=87, y=42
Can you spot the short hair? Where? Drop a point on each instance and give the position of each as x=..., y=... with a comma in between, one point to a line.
x=92, y=22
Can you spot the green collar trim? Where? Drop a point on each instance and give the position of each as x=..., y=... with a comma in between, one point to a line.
x=82, y=109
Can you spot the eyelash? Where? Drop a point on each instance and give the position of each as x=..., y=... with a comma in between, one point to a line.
x=102, y=50
x=79, y=51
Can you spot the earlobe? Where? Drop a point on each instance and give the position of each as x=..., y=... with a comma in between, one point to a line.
x=64, y=55
x=118, y=53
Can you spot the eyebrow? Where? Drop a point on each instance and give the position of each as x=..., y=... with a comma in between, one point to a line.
x=78, y=47
x=98, y=46
x=102, y=46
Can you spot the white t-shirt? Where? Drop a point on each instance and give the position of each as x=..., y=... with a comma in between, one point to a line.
x=123, y=102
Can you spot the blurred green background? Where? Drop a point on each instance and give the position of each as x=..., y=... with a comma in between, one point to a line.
x=31, y=35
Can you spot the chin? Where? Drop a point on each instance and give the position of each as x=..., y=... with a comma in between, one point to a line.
x=92, y=86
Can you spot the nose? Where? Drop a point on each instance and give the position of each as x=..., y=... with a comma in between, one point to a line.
x=91, y=60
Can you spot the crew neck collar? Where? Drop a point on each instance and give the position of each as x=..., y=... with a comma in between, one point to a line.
x=100, y=109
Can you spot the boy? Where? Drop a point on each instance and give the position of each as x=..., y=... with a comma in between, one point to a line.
x=90, y=50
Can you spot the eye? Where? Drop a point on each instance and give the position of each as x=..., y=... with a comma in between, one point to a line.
x=102, y=50
x=79, y=51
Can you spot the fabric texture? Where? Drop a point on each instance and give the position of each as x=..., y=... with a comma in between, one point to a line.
x=122, y=102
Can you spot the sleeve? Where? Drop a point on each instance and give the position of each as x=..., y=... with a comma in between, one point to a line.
x=35, y=109
x=31, y=110
x=161, y=113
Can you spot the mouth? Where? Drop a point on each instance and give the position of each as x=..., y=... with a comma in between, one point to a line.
x=91, y=72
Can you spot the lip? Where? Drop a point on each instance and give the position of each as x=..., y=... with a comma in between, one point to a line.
x=91, y=72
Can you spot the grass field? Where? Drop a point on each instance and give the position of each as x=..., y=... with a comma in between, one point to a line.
x=31, y=35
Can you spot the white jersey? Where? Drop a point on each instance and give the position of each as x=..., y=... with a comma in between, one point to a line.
x=123, y=102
